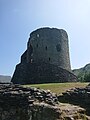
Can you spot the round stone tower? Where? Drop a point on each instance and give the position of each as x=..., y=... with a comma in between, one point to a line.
x=46, y=59
x=49, y=45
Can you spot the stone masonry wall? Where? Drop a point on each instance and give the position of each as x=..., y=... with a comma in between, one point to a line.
x=36, y=73
x=77, y=96
x=50, y=45
x=46, y=59
x=20, y=103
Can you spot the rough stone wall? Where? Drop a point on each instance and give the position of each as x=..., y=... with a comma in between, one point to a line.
x=50, y=45
x=46, y=59
x=77, y=96
x=20, y=103
x=24, y=57
x=36, y=73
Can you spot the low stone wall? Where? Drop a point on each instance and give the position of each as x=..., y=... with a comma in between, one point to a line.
x=20, y=103
x=77, y=96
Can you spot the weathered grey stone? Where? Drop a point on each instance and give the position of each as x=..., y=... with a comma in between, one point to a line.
x=42, y=111
x=20, y=103
x=46, y=59
x=79, y=96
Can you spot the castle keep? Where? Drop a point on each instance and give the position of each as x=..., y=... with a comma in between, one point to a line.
x=46, y=58
x=49, y=46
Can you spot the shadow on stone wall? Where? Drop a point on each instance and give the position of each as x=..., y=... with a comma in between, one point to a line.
x=41, y=73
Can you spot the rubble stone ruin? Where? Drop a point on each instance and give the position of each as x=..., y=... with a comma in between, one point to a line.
x=77, y=96
x=46, y=59
x=19, y=103
x=24, y=103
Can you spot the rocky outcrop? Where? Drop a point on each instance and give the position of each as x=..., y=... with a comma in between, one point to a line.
x=20, y=103
x=46, y=59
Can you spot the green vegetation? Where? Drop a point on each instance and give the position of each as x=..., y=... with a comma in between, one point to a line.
x=87, y=77
x=84, y=77
x=58, y=87
x=83, y=74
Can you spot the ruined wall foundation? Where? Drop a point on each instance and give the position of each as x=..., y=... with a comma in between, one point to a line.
x=21, y=103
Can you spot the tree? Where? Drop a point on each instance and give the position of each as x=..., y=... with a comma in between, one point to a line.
x=87, y=77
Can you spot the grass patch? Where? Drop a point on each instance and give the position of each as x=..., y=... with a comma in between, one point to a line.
x=58, y=88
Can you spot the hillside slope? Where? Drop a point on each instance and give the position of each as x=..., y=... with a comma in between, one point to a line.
x=5, y=78
x=82, y=72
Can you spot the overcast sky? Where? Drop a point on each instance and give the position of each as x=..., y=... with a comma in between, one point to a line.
x=18, y=18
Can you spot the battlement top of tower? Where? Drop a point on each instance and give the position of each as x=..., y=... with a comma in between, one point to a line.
x=49, y=31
